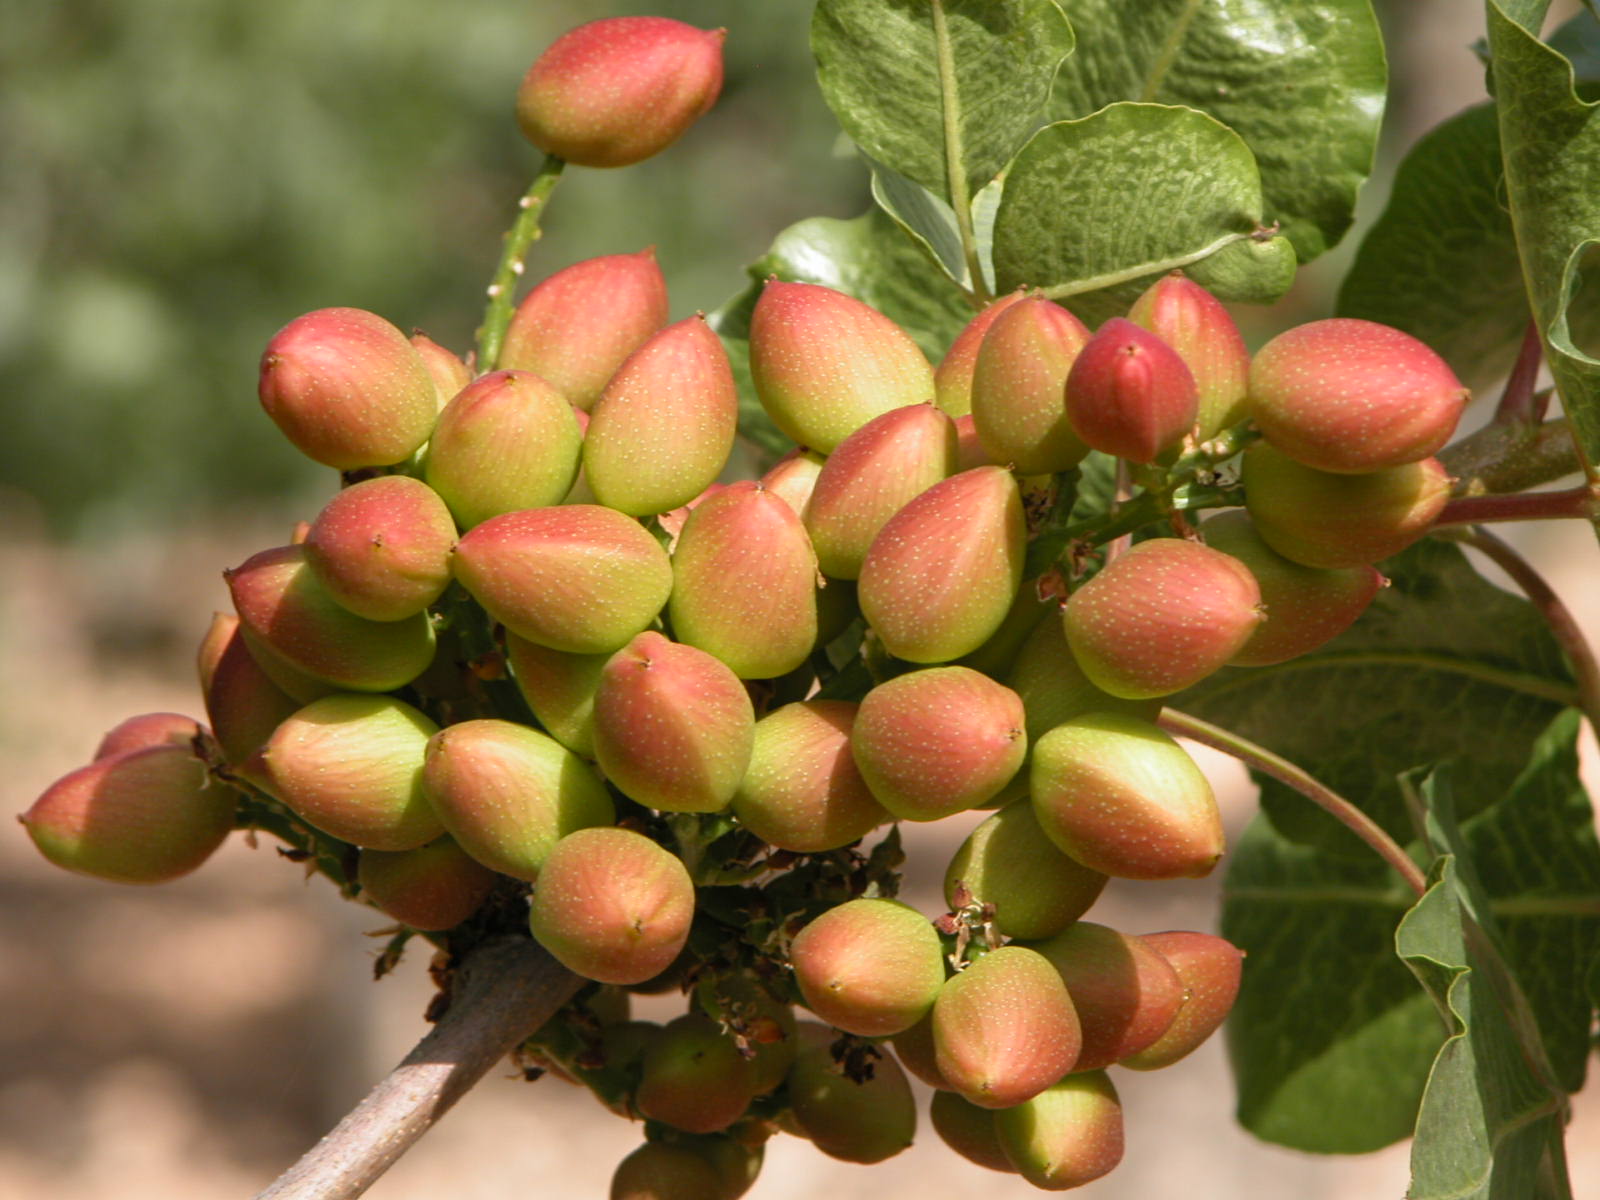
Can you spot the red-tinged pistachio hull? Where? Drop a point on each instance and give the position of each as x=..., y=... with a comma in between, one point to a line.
x=672, y=523
x=381, y=547
x=1353, y=396
x=1305, y=606
x=1163, y=616
x=914, y=1048
x=997, y=655
x=1009, y=862
x=872, y=475
x=449, y=373
x=141, y=816
x=1194, y=323
x=673, y=727
x=149, y=729
x=694, y=1078
x=662, y=429
x=286, y=612
x=1209, y=969
x=1004, y=1029
x=1322, y=519
x=744, y=583
x=1121, y=797
x=860, y=1122
x=938, y=741
x=737, y=1165
x=824, y=364
x=612, y=905
x=658, y=1171
x=969, y=448
x=1054, y=688
x=507, y=441
x=352, y=766
x=575, y=328
x=1017, y=382
x=793, y=478
x=559, y=688
x=1130, y=394
x=432, y=888
x=747, y=1008
x=213, y=643
x=579, y=578
x=618, y=90
x=242, y=702
x=952, y=380
x=1126, y=994
x=871, y=967
x=347, y=389
x=939, y=578
x=802, y=791
x=1068, y=1135
x=508, y=793
x=968, y=1130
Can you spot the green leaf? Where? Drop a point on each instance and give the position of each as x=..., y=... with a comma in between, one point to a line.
x=1301, y=81
x=878, y=62
x=924, y=216
x=1094, y=210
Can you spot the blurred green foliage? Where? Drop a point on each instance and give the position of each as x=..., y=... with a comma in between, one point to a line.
x=183, y=177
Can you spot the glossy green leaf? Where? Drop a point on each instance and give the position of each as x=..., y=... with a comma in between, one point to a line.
x=1093, y=210
x=1301, y=81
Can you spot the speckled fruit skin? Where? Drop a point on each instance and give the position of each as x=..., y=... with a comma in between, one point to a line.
x=968, y=1130
x=855, y=1122
x=579, y=578
x=673, y=726
x=1209, y=968
x=347, y=389
x=1008, y=861
x=802, y=791
x=1068, y=1135
x=381, y=547
x=576, y=327
x=744, y=583
x=1322, y=519
x=508, y=794
x=1000, y=650
x=148, y=729
x=938, y=741
x=1005, y=1028
x=940, y=576
x=432, y=888
x=612, y=905
x=559, y=688
x=693, y=1077
x=616, y=91
x=1017, y=381
x=1130, y=394
x=664, y=425
x=507, y=441
x=952, y=379
x=352, y=766
x=872, y=475
x=872, y=967
x=1194, y=323
x=824, y=364
x=1163, y=616
x=793, y=478
x=145, y=815
x=1305, y=606
x=1120, y=796
x=243, y=704
x=448, y=372
x=1353, y=396
x=1125, y=992
x=292, y=617
x=1054, y=688
x=657, y=1171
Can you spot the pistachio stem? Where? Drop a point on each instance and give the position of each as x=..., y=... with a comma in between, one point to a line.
x=502, y=289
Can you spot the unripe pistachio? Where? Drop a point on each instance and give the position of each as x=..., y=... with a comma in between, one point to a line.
x=1068, y=1135
x=1353, y=396
x=449, y=373
x=914, y=1047
x=347, y=389
x=969, y=447
x=1321, y=519
x=737, y=1164
x=434, y=887
x=940, y=576
x=1120, y=796
x=579, y=578
x=575, y=328
x=658, y=1171
x=968, y=1130
x=559, y=688
x=1017, y=383
x=616, y=91
x=860, y=1122
x=381, y=547
x=507, y=441
x=996, y=657
x=871, y=967
x=242, y=702
x=694, y=1078
x=952, y=380
x=824, y=364
x=1009, y=862
x=148, y=729
x=742, y=1003
x=144, y=815
x=1163, y=616
x=793, y=478
x=1194, y=323
x=1053, y=687
x=612, y=905
x=663, y=427
x=1125, y=992
x=1130, y=394
x=1209, y=969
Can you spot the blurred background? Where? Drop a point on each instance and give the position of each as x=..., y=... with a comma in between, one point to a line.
x=178, y=179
